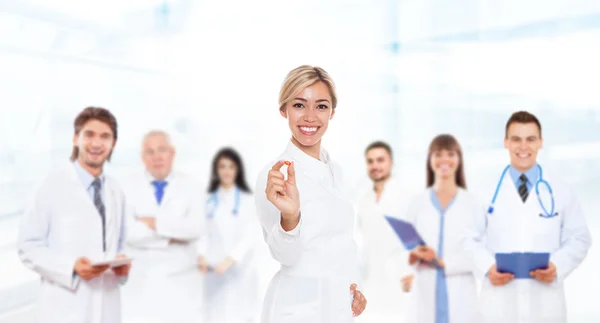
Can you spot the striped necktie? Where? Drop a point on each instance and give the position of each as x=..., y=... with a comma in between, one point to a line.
x=101, y=209
x=523, y=191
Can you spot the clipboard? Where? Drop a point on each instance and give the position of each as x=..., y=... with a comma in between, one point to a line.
x=112, y=263
x=408, y=235
x=520, y=264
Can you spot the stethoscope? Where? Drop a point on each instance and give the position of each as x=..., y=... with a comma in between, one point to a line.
x=214, y=200
x=541, y=180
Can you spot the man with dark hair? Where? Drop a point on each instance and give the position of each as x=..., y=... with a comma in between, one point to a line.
x=380, y=144
x=530, y=211
x=76, y=219
x=386, y=271
x=99, y=115
x=523, y=117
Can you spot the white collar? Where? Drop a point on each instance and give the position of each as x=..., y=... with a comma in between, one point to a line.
x=149, y=178
x=226, y=194
x=303, y=158
x=319, y=170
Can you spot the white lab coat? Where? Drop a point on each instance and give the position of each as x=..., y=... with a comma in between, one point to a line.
x=517, y=227
x=460, y=279
x=383, y=253
x=60, y=225
x=319, y=257
x=233, y=296
x=165, y=285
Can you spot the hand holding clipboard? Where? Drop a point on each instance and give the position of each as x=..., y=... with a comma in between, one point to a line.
x=413, y=242
x=425, y=255
x=522, y=264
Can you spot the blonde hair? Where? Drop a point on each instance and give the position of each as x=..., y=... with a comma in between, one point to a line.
x=302, y=77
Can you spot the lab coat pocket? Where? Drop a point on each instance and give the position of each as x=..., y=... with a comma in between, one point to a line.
x=340, y=301
x=548, y=228
x=299, y=313
x=499, y=301
x=55, y=299
x=550, y=300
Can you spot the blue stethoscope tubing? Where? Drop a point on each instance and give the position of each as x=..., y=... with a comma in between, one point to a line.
x=215, y=201
x=537, y=192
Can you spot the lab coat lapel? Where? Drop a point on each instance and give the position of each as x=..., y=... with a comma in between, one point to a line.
x=169, y=192
x=390, y=193
x=453, y=211
x=80, y=192
x=337, y=179
x=314, y=169
x=111, y=206
x=511, y=194
x=112, y=217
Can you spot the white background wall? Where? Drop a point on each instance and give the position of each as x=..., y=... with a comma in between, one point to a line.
x=209, y=72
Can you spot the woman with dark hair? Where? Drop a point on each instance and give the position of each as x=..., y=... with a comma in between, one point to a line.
x=444, y=284
x=227, y=158
x=226, y=254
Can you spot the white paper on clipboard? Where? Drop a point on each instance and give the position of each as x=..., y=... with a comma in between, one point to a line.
x=113, y=262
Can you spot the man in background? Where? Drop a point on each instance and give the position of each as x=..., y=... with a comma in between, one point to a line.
x=167, y=218
x=382, y=252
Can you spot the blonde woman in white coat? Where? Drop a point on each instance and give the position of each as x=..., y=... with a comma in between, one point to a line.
x=227, y=253
x=307, y=222
x=440, y=215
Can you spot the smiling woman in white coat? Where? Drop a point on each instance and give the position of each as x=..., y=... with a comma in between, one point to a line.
x=518, y=220
x=77, y=218
x=307, y=221
x=446, y=294
x=226, y=254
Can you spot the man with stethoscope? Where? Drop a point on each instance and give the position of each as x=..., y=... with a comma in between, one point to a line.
x=530, y=211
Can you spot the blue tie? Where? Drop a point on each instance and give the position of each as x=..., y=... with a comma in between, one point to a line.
x=160, y=190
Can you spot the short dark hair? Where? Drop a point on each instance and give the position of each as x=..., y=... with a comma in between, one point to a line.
x=93, y=113
x=522, y=117
x=380, y=144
